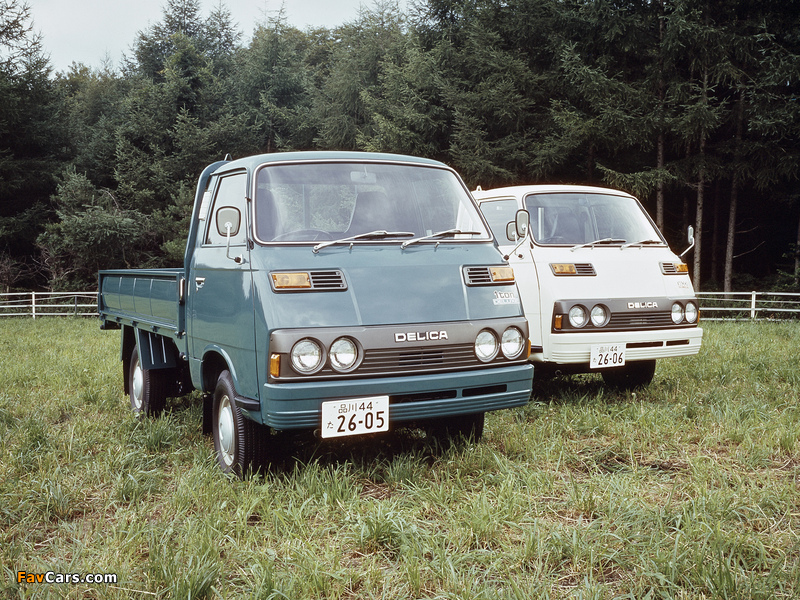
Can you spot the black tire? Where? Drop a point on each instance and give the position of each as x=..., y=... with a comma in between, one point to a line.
x=458, y=428
x=148, y=389
x=633, y=375
x=241, y=444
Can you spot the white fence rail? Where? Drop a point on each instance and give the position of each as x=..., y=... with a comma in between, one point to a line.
x=715, y=306
x=48, y=304
x=746, y=306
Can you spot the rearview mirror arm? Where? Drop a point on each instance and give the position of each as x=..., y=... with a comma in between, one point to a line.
x=237, y=259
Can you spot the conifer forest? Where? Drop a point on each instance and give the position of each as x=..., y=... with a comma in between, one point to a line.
x=691, y=105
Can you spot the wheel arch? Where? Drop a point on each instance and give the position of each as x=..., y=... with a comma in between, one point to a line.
x=214, y=362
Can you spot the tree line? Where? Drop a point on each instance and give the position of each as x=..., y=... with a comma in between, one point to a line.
x=692, y=105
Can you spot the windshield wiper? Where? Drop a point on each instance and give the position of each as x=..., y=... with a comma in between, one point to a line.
x=642, y=243
x=377, y=234
x=598, y=243
x=438, y=234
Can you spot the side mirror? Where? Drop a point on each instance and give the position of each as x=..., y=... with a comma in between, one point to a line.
x=228, y=221
x=517, y=230
x=522, y=223
x=690, y=238
x=511, y=231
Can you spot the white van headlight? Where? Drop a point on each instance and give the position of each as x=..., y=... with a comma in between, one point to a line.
x=691, y=312
x=343, y=354
x=577, y=316
x=306, y=356
x=599, y=315
x=512, y=343
x=486, y=345
x=677, y=313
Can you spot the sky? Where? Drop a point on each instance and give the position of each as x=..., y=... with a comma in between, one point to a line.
x=88, y=31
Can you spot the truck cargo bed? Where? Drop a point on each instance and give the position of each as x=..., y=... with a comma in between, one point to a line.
x=150, y=299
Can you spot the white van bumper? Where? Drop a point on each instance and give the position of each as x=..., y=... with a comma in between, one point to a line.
x=575, y=348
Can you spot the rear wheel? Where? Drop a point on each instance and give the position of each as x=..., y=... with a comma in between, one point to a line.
x=240, y=443
x=147, y=388
x=633, y=375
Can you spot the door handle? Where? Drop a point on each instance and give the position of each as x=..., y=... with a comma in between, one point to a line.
x=199, y=282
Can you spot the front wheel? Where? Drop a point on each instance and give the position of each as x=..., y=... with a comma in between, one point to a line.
x=240, y=443
x=633, y=375
x=148, y=388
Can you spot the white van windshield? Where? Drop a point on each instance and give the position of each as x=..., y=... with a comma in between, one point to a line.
x=317, y=202
x=589, y=218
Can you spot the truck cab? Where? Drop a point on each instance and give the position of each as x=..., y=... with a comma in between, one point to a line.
x=345, y=293
x=600, y=287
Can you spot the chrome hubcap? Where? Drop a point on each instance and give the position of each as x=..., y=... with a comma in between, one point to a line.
x=225, y=427
x=137, y=386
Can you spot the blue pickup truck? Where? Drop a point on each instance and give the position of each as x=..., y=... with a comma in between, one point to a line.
x=346, y=293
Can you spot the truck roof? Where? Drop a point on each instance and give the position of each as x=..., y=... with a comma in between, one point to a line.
x=251, y=162
x=521, y=190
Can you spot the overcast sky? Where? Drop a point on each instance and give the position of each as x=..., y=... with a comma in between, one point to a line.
x=88, y=30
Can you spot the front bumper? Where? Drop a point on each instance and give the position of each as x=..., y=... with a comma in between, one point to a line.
x=575, y=348
x=411, y=398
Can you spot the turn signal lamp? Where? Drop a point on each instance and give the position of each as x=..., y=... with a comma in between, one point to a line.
x=668, y=268
x=274, y=364
x=502, y=274
x=563, y=269
x=290, y=281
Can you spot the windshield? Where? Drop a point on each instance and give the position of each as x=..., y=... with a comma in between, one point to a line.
x=317, y=202
x=578, y=218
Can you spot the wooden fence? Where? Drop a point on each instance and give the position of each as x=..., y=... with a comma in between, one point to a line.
x=48, y=304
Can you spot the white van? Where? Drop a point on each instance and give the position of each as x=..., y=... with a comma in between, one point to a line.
x=600, y=287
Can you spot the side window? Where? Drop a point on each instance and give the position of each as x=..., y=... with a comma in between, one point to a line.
x=228, y=202
x=499, y=213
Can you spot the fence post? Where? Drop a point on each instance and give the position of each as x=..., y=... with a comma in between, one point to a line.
x=33, y=304
x=75, y=313
x=753, y=305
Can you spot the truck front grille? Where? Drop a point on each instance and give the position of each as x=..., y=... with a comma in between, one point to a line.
x=385, y=362
x=390, y=360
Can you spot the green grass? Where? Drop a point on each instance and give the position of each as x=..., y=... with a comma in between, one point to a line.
x=687, y=489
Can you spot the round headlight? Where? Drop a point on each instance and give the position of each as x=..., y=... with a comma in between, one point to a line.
x=577, y=316
x=599, y=315
x=512, y=342
x=486, y=346
x=691, y=312
x=306, y=356
x=343, y=354
x=677, y=313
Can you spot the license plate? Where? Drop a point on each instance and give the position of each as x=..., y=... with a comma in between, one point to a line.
x=355, y=417
x=604, y=356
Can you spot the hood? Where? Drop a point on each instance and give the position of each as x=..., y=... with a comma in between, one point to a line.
x=373, y=284
x=627, y=273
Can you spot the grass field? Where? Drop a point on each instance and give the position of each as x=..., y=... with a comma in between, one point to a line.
x=687, y=489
